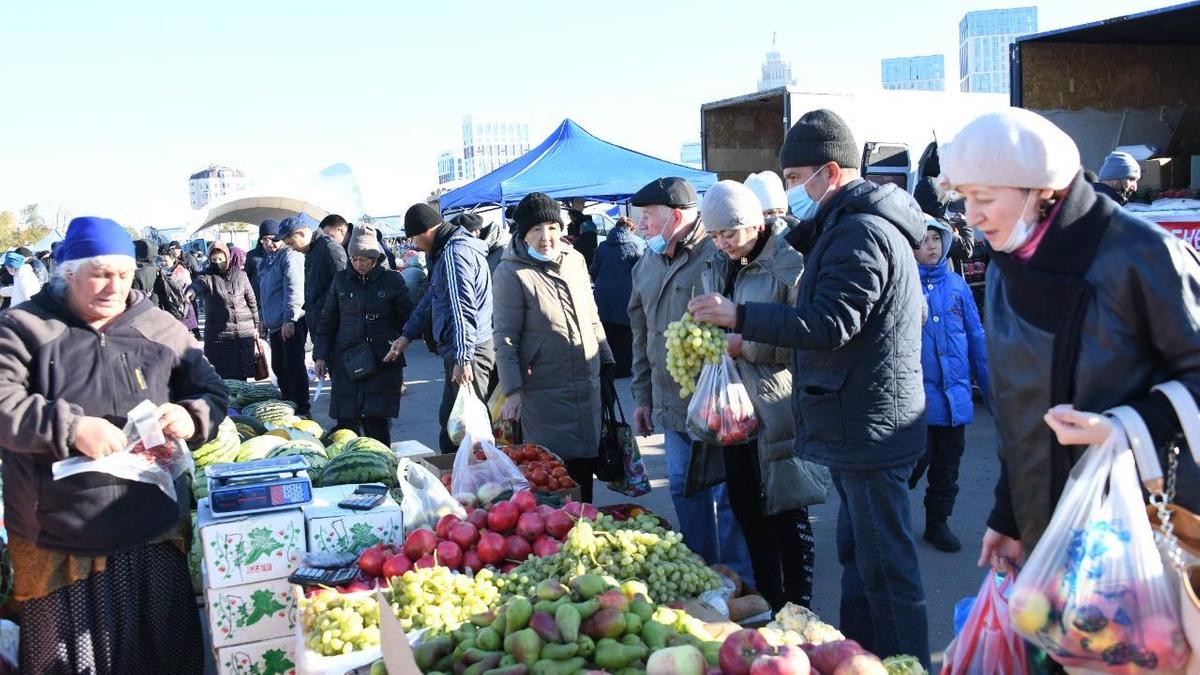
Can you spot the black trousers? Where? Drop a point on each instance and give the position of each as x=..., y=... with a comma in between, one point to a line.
x=287, y=360
x=620, y=341
x=379, y=428
x=781, y=546
x=485, y=363
x=582, y=471
x=943, y=454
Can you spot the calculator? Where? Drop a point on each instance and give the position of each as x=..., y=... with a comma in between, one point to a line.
x=313, y=576
x=364, y=498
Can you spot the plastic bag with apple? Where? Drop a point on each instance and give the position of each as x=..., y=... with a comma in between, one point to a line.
x=1094, y=593
x=424, y=499
x=482, y=472
x=721, y=411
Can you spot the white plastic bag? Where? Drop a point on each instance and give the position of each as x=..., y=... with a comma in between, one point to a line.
x=1094, y=593
x=468, y=417
x=482, y=472
x=721, y=412
x=425, y=499
x=148, y=458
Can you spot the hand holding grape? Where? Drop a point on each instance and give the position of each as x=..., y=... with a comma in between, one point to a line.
x=690, y=345
x=714, y=308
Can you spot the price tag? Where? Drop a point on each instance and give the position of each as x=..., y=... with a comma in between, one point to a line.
x=145, y=419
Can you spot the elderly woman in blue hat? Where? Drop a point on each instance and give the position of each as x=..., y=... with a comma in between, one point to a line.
x=99, y=562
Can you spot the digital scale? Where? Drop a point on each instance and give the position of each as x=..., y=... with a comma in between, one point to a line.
x=259, y=485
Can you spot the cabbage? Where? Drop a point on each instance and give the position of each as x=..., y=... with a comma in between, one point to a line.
x=904, y=665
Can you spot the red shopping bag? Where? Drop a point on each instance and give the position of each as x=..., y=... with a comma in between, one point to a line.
x=987, y=643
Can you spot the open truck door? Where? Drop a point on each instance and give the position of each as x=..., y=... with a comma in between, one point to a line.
x=884, y=163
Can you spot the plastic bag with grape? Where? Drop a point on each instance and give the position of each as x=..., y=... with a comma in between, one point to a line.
x=1094, y=593
x=721, y=411
x=148, y=458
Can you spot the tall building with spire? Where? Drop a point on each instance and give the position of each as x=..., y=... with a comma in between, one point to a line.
x=776, y=72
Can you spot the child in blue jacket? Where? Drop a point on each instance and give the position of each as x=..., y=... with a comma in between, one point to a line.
x=952, y=351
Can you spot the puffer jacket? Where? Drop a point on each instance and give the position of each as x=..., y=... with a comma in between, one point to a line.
x=612, y=270
x=788, y=482
x=147, y=278
x=496, y=237
x=457, y=308
x=855, y=330
x=952, y=343
x=359, y=310
x=54, y=369
x=1137, y=330
x=325, y=258
x=662, y=288
x=550, y=347
x=281, y=288
x=231, y=320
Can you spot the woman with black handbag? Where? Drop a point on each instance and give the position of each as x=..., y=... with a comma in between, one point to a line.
x=365, y=311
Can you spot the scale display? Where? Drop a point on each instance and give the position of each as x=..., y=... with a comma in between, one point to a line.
x=261, y=485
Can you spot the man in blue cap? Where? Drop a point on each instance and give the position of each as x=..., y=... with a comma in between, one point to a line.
x=281, y=303
x=323, y=258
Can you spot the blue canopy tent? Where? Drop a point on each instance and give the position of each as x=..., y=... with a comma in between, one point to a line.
x=571, y=163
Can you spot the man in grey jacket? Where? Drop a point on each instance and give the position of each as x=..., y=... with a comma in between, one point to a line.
x=281, y=302
x=857, y=389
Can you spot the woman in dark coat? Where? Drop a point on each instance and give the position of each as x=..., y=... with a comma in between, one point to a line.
x=367, y=305
x=231, y=311
x=612, y=271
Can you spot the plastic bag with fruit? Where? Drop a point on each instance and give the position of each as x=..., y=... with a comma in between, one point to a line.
x=1094, y=593
x=721, y=412
x=425, y=499
x=987, y=643
x=148, y=458
x=482, y=472
x=468, y=417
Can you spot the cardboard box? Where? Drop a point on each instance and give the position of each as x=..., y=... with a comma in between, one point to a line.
x=269, y=656
x=411, y=449
x=250, y=548
x=332, y=529
x=240, y=615
x=1156, y=174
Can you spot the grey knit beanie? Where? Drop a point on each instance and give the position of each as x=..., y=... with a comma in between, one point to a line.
x=729, y=205
x=1120, y=165
x=365, y=243
x=820, y=136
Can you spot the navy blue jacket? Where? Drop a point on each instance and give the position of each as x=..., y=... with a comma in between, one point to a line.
x=855, y=331
x=952, y=343
x=612, y=272
x=459, y=299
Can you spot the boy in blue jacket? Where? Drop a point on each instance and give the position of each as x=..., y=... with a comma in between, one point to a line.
x=952, y=351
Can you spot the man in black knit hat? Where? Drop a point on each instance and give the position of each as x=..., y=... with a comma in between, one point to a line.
x=857, y=391
x=456, y=311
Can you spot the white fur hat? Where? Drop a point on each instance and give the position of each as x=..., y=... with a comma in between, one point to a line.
x=729, y=205
x=1010, y=148
x=768, y=187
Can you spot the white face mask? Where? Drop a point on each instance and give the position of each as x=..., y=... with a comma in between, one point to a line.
x=1021, y=232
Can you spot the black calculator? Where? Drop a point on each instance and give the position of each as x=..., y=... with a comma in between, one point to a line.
x=314, y=576
x=364, y=498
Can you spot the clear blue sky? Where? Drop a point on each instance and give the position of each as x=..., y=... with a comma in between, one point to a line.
x=109, y=106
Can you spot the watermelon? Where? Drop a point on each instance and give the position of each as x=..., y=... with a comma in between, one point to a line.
x=258, y=447
x=351, y=467
x=256, y=426
x=364, y=444
x=223, y=448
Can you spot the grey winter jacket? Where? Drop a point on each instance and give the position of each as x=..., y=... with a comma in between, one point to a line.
x=550, y=346
x=496, y=236
x=281, y=288
x=459, y=300
x=325, y=258
x=662, y=288
x=54, y=369
x=788, y=482
x=855, y=329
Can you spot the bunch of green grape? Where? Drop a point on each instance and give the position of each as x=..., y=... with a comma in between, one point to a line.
x=339, y=624
x=638, y=548
x=437, y=598
x=690, y=345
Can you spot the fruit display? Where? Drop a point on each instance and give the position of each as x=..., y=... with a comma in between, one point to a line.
x=691, y=345
x=639, y=548
x=243, y=393
x=336, y=623
x=543, y=469
x=438, y=599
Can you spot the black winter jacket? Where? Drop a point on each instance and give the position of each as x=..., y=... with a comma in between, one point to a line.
x=148, y=278
x=325, y=258
x=231, y=322
x=856, y=330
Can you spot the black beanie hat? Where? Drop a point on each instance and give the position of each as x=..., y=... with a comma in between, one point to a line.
x=420, y=218
x=468, y=221
x=534, y=209
x=819, y=137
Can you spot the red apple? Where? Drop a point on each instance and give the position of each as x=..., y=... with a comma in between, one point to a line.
x=508, y=567
x=371, y=561
x=516, y=548
x=464, y=534
x=740, y=649
x=544, y=510
x=573, y=509
x=425, y=561
x=530, y=526
x=444, y=525
x=826, y=657
x=503, y=517
x=861, y=664
x=525, y=501
x=545, y=546
x=490, y=548
x=782, y=661
x=471, y=561
x=396, y=566
x=590, y=512
x=559, y=524
x=478, y=518
x=419, y=543
x=449, y=554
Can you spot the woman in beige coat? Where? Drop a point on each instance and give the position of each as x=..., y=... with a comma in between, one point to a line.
x=549, y=342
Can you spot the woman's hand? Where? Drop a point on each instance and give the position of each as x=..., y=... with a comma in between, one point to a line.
x=734, y=345
x=511, y=410
x=1001, y=552
x=396, y=349
x=1075, y=427
x=96, y=437
x=176, y=422
x=319, y=367
x=715, y=309
x=643, y=421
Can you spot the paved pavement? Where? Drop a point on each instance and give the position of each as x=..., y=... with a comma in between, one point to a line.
x=948, y=577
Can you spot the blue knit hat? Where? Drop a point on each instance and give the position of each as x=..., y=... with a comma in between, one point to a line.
x=88, y=237
x=268, y=228
x=14, y=260
x=1120, y=165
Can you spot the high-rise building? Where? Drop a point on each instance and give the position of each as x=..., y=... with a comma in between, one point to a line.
x=207, y=186
x=983, y=45
x=491, y=142
x=690, y=155
x=450, y=167
x=776, y=72
x=922, y=73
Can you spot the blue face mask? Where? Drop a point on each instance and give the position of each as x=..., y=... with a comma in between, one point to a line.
x=537, y=255
x=658, y=243
x=803, y=206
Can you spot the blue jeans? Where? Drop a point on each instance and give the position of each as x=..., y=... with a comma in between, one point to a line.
x=707, y=523
x=883, y=600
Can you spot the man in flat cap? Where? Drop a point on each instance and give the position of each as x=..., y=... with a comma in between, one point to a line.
x=666, y=277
